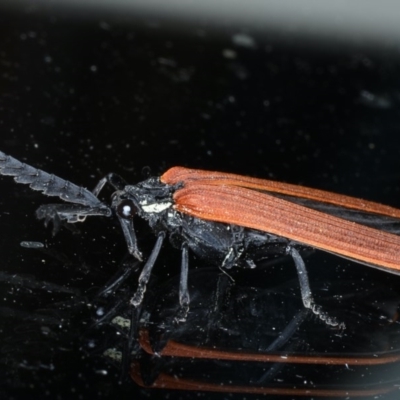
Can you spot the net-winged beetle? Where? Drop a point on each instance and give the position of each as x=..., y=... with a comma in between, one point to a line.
x=229, y=219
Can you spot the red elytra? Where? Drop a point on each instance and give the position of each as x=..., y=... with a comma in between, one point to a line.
x=244, y=201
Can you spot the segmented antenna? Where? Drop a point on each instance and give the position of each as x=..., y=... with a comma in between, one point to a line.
x=49, y=184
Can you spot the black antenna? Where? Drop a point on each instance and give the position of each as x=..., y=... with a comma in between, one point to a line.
x=49, y=184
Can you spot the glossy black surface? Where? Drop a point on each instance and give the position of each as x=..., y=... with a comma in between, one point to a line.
x=255, y=316
x=81, y=96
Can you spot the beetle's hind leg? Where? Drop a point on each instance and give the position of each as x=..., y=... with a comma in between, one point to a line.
x=306, y=294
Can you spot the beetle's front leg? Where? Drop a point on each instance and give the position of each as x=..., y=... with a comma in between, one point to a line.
x=115, y=180
x=71, y=213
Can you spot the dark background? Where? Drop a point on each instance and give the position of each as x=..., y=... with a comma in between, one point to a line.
x=85, y=94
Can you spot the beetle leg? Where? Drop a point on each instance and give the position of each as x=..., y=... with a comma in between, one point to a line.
x=130, y=237
x=115, y=180
x=184, y=297
x=234, y=254
x=146, y=271
x=76, y=212
x=72, y=213
x=306, y=294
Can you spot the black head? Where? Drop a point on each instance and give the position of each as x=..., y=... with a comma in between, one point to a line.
x=150, y=200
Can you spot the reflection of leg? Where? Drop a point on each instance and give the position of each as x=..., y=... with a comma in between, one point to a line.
x=279, y=342
x=118, y=279
x=288, y=332
x=306, y=294
x=132, y=342
x=184, y=297
x=146, y=272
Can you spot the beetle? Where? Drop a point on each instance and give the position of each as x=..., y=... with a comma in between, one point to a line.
x=228, y=219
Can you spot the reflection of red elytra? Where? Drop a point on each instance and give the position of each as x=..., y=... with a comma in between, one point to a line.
x=175, y=349
x=165, y=381
x=371, y=343
x=232, y=343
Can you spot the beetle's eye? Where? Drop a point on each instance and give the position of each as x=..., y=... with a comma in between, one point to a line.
x=126, y=209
